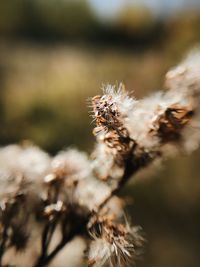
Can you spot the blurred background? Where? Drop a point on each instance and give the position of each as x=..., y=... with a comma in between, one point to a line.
x=54, y=54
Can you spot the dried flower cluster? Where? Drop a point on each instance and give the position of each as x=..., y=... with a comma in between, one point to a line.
x=74, y=194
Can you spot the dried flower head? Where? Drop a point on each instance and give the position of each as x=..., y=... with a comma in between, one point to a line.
x=114, y=243
x=114, y=142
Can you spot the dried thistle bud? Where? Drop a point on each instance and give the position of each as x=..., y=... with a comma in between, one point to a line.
x=114, y=243
x=172, y=122
x=105, y=113
x=69, y=166
x=115, y=144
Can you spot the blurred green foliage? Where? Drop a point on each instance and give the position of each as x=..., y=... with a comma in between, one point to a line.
x=45, y=19
x=73, y=20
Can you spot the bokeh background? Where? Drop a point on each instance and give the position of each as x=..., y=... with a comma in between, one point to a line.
x=54, y=54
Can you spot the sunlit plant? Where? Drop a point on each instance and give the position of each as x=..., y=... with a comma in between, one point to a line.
x=73, y=194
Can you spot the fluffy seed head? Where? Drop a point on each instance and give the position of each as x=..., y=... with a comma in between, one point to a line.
x=114, y=243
